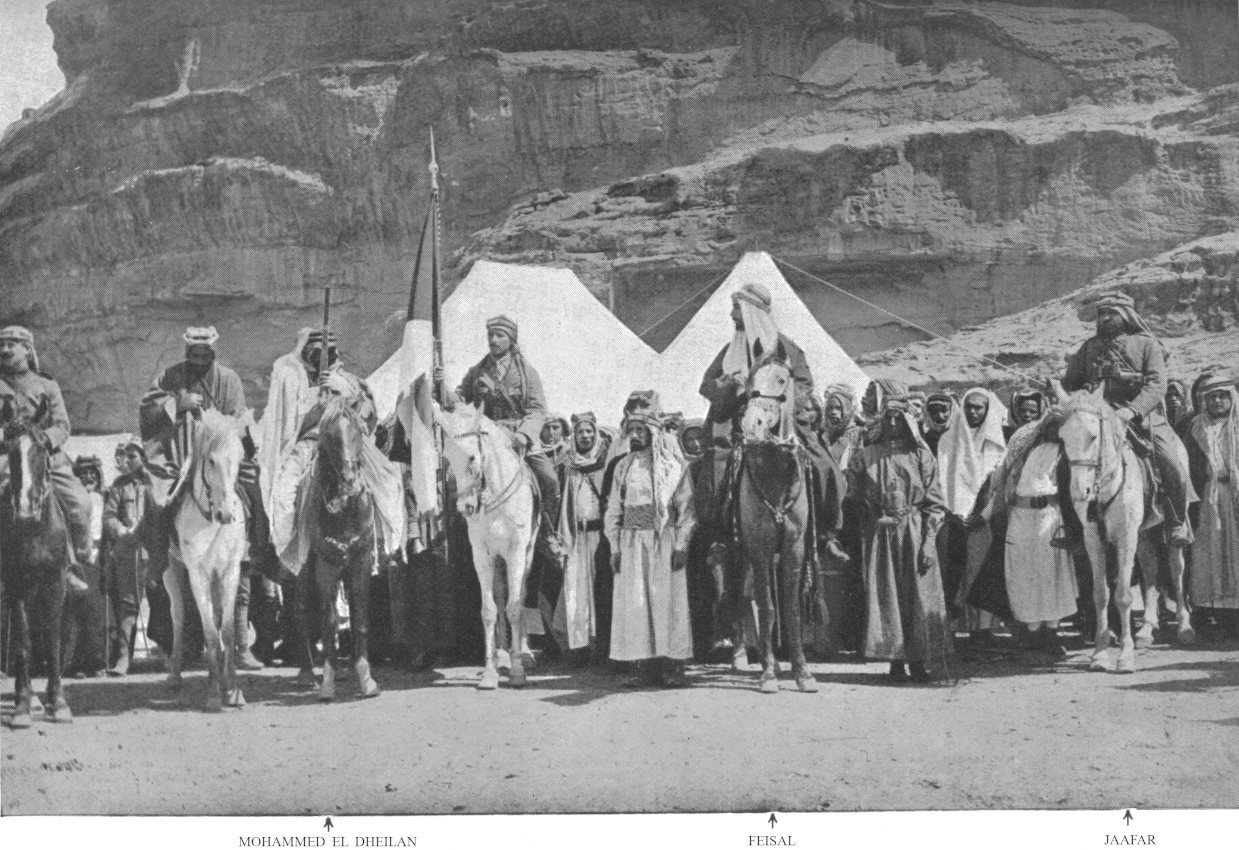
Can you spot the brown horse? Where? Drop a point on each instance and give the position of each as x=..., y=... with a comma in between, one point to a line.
x=34, y=564
x=343, y=541
x=773, y=514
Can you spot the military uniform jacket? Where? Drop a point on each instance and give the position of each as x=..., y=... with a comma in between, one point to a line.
x=514, y=399
x=30, y=397
x=122, y=510
x=1132, y=369
x=725, y=405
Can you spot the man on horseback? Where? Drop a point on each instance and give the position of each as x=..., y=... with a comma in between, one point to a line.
x=30, y=400
x=1127, y=361
x=756, y=335
x=510, y=393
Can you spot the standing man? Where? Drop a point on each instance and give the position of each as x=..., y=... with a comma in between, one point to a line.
x=649, y=521
x=938, y=409
x=894, y=479
x=28, y=400
x=509, y=391
x=580, y=524
x=756, y=336
x=126, y=560
x=1126, y=360
x=1213, y=451
x=970, y=449
x=1027, y=405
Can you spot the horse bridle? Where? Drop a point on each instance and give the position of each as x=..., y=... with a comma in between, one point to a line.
x=1096, y=464
x=479, y=487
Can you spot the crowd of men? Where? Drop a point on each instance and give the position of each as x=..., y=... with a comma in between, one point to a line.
x=639, y=555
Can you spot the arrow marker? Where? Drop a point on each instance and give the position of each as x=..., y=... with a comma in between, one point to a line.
x=773, y=820
x=1127, y=816
x=327, y=824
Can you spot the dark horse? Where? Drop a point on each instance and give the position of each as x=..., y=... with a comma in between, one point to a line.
x=34, y=563
x=773, y=514
x=343, y=540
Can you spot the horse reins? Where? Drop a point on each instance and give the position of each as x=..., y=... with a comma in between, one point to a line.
x=507, y=492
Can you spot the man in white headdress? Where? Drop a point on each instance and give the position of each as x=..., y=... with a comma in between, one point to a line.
x=756, y=336
x=969, y=450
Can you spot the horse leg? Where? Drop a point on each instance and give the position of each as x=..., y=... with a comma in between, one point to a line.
x=327, y=580
x=23, y=690
x=769, y=683
x=1096, y=549
x=51, y=603
x=303, y=605
x=484, y=565
x=1184, y=632
x=1126, y=551
x=1147, y=559
x=792, y=564
x=516, y=567
x=200, y=586
x=359, y=606
x=230, y=686
x=172, y=577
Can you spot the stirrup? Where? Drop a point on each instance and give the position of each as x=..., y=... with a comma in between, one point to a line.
x=1061, y=540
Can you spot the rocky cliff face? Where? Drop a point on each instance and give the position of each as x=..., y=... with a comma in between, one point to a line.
x=223, y=160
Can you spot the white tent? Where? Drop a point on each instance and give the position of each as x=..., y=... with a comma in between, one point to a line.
x=586, y=357
x=684, y=362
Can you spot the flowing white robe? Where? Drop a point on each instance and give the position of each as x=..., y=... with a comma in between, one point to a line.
x=649, y=617
x=1215, y=554
x=1041, y=580
x=574, y=613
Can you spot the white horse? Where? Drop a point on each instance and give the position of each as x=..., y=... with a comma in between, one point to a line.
x=495, y=493
x=1107, y=492
x=207, y=547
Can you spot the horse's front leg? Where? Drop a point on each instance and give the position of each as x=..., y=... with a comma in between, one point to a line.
x=305, y=615
x=1147, y=558
x=1096, y=549
x=23, y=688
x=792, y=561
x=51, y=605
x=359, y=607
x=230, y=687
x=173, y=576
x=764, y=589
x=483, y=564
x=517, y=561
x=327, y=582
x=200, y=585
x=1124, y=599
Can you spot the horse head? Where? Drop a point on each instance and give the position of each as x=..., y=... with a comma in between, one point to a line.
x=217, y=453
x=1090, y=440
x=28, y=478
x=768, y=391
x=341, y=441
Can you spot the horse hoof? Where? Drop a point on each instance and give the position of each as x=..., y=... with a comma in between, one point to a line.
x=305, y=679
x=20, y=720
x=807, y=684
x=769, y=685
x=1144, y=638
x=1127, y=664
x=489, y=680
x=214, y=704
x=59, y=711
x=518, y=679
x=236, y=699
x=370, y=688
x=1187, y=635
x=174, y=681
x=1098, y=665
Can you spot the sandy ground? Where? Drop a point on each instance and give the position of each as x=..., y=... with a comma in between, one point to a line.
x=1003, y=733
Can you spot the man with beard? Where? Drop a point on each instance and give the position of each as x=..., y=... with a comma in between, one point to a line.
x=28, y=400
x=970, y=449
x=840, y=430
x=916, y=406
x=756, y=336
x=1126, y=360
x=580, y=524
x=938, y=409
x=1213, y=452
x=649, y=520
x=895, y=480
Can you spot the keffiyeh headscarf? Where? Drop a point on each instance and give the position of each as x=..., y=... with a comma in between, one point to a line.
x=16, y=333
x=963, y=463
x=1219, y=439
x=594, y=456
x=759, y=337
x=645, y=408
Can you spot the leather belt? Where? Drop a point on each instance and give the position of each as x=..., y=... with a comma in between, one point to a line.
x=1034, y=502
x=589, y=525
